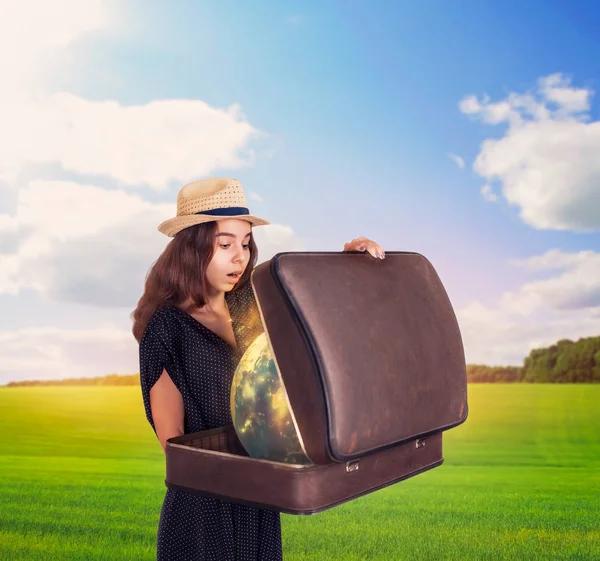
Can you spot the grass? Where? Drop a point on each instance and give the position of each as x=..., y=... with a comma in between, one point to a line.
x=83, y=479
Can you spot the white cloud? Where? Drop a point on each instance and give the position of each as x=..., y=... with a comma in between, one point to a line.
x=488, y=194
x=47, y=353
x=144, y=144
x=577, y=287
x=555, y=88
x=73, y=237
x=84, y=244
x=151, y=143
x=547, y=162
x=555, y=259
x=497, y=337
x=32, y=30
x=469, y=104
x=538, y=313
x=458, y=160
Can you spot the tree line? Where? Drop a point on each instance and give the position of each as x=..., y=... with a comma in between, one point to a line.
x=565, y=362
x=108, y=380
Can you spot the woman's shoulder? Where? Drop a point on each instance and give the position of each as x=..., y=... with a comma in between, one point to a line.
x=161, y=322
x=161, y=315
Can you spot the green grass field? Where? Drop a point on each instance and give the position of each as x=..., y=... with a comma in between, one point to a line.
x=83, y=478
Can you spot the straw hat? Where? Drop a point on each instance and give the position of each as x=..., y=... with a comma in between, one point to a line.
x=210, y=199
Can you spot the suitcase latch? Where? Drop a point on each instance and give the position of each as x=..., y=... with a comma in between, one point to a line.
x=420, y=443
x=352, y=466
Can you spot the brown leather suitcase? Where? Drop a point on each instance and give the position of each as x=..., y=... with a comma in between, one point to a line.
x=372, y=360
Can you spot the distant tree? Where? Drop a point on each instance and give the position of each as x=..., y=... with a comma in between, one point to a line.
x=565, y=362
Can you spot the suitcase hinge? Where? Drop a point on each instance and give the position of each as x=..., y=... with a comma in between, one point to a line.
x=420, y=442
x=352, y=466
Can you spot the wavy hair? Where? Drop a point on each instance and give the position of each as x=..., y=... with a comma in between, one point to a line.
x=179, y=274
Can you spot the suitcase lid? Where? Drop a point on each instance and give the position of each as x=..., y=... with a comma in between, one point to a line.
x=369, y=350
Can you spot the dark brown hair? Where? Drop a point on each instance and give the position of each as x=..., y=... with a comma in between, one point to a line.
x=179, y=274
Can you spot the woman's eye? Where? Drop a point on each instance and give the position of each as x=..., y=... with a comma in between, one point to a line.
x=226, y=245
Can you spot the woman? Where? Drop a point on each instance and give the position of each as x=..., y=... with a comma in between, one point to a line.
x=193, y=326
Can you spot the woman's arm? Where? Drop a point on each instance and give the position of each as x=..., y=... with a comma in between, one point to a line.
x=167, y=409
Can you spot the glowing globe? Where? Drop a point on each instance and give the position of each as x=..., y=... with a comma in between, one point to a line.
x=259, y=408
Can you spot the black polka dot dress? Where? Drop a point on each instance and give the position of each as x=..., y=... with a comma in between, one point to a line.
x=201, y=365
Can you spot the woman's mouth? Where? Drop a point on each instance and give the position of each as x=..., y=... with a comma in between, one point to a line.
x=234, y=277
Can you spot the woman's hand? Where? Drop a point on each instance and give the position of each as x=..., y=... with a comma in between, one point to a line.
x=365, y=244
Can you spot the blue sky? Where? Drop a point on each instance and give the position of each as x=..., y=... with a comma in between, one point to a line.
x=359, y=111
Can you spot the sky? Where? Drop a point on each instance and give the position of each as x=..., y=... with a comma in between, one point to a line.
x=465, y=131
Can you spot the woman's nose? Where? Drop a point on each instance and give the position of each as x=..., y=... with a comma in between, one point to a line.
x=239, y=256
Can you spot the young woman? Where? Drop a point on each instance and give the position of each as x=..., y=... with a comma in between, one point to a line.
x=193, y=326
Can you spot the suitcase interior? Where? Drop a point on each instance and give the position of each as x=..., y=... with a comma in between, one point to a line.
x=213, y=463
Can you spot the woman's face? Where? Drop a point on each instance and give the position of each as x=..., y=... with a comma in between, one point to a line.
x=231, y=254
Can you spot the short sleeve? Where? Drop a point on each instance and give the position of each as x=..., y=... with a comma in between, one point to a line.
x=154, y=357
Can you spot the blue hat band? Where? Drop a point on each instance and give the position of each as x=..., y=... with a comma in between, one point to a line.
x=226, y=211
